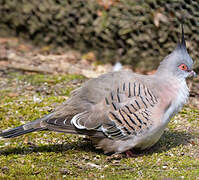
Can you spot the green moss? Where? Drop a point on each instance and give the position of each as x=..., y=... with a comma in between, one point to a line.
x=51, y=155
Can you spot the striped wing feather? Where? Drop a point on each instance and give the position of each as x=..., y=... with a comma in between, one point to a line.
x=130, y=110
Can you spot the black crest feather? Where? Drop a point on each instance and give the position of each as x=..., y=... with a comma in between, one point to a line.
x=183, y=43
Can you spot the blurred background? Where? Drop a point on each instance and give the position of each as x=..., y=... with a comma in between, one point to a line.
x=136, y=33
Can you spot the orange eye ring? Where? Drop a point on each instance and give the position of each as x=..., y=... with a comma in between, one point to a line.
x=183, y=67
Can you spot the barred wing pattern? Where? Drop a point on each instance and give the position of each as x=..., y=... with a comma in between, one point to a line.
x=130, y=110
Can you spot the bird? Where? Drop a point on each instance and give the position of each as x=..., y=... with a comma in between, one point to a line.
x=122, y=110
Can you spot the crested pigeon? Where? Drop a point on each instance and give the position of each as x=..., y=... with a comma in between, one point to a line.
x=122, y=110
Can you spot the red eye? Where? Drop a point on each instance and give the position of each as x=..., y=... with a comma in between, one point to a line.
x=183, y=67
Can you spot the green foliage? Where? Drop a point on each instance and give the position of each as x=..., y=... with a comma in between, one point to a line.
x=125, y=31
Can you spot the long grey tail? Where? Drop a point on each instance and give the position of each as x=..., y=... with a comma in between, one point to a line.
x=17, y=131
x=42, y=124
x=25, y=128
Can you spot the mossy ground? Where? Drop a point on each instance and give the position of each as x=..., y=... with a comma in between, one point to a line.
x=50, y=155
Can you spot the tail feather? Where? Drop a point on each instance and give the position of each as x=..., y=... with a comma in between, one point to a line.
x=16, y=132
x=44, y=124
x=25, y=128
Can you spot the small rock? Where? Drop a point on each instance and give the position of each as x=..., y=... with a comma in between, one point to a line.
x=164, y=166
x=116, y=162
x=36, y=99
x=86, y=158
x=182, y=154
x=114, y=157
x=64, y=171
x=92, y=165
x=5, y=169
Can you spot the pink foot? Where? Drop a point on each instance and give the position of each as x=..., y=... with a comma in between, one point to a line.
x=129, y=154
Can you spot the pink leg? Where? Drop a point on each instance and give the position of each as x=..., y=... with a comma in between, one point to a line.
x=129, y=154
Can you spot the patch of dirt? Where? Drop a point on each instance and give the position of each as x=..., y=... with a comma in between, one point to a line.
x=24, y=57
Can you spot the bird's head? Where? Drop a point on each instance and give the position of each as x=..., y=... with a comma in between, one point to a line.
x=178, y=63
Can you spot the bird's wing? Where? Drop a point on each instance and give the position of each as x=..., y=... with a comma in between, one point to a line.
x=123, y=112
